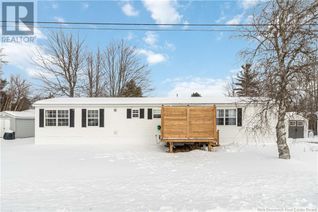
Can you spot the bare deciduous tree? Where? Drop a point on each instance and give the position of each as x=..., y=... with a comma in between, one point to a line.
x=94, y=83
x=2, y=60
x=62, y=67
x=285, y=37
x=3, y=82
x=122, y=64
x=16, y=95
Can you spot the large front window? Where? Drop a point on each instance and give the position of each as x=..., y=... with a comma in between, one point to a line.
x=92, y=118
x=226, y=117
x=230, y=117
x=56, y=118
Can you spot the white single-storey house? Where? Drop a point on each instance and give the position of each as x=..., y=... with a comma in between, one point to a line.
x=136, y=120
x=19, y=122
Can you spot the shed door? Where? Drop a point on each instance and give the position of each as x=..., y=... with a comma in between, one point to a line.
x=296, y=129
x=4, y=126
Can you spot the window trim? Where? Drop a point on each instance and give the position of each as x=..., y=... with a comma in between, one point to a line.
x=132, y=113
x=50, y=118
x=154, y=110
x=57, y=117
x=98, y=116
x=224, y=117
x=235, y=112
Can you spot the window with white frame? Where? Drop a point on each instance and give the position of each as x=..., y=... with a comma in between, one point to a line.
x=156, y=113
x=135, y=113
x=62, y=117
x=92, y=118
x=220, y=117
x=56, y=118
x=230, y=117
x=226, y=117
x=50, y=118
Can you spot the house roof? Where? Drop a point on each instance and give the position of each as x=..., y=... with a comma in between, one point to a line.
x=138, y=101
x=27, y=114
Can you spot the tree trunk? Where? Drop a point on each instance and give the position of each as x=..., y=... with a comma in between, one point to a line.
x=283, y=150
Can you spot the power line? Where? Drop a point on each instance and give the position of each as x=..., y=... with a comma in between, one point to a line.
x=146, y=29
x=145, y=24
x=141, y=29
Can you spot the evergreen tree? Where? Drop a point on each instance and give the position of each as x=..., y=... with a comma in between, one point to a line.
x=246, y=82
x=195, y=94
x=131, y=90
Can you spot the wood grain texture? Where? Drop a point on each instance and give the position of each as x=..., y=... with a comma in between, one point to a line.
x=188, y=124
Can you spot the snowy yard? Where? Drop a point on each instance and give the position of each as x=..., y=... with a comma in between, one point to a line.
x=109, y=178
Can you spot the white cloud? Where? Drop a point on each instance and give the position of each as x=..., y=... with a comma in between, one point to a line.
x=246, y=4
x=207, y=87
x=54, y=5
x=236, y=20
x=152, y=57
x=163, y=11
x=150, y=38
x=21, y=55
x=59, y=19
x=249, y=19
x=170, y=46
x=186, y=24
x=85, y=5
x=130, y=36
x=220, y=36
x=129, y=10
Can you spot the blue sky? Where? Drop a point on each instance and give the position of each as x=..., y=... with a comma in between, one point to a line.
x=180, y=62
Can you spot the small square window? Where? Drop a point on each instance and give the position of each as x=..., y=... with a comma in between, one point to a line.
x=156, y=113
x=220, y=117
x=50, y=118
x=92, y=118
x=135, y=113
x=50, y=122
x=230, y=117
x=300, y=123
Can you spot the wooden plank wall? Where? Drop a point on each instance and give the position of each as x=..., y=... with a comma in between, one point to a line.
x=193, y=123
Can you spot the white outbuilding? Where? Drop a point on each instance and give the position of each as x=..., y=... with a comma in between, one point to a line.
x=137, y=120
x=19, y=122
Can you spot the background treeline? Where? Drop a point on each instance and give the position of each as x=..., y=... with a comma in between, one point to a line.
x=69, y=68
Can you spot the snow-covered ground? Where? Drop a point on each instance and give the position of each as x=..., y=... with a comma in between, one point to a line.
x=103, y=177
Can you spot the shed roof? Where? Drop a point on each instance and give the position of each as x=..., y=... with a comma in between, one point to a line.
x=138, y=101
x=27, y=114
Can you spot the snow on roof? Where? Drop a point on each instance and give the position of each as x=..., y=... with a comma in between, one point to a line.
x=27, y=114
x=138, y=101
